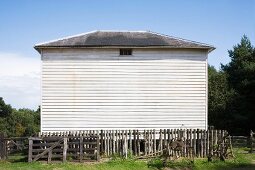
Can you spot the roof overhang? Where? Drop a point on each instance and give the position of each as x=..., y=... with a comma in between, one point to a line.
x=39, y=49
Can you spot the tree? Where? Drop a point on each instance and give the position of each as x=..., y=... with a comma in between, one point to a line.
x=219, y=99
x=5, y=110
x=240, y=74
x=22, y=122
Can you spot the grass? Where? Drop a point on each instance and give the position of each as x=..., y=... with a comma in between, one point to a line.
x=112, y=165
x=242, y=161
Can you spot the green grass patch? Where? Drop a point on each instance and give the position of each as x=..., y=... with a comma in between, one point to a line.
x=243, y=161
x=111, y=165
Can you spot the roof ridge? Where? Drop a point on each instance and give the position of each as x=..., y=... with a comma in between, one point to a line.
x=121, y=31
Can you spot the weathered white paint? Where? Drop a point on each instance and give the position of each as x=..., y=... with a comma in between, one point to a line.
x=98, y=89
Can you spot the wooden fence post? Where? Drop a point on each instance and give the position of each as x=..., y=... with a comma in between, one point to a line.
x=49, y=156
x=130, y=142
x=65, y=146
x=138, y=142
x=113, y=142
x=98, y=149
x=2, y=147
x=198, y=143
x=251, y=141
x=30, y=149
x=154, y=142
x=135, y=144
x=102, y=141
x=160, y=141
x=81, y=148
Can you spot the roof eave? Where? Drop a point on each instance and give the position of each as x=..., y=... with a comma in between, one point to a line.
x=39, y=48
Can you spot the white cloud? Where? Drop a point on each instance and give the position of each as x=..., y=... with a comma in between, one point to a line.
x=20, y=80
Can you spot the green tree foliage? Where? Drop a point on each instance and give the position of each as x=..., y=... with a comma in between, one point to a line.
x=5, y=110
x=241, y=78
x=219, y=99
x=232, y=91
x=22, y=122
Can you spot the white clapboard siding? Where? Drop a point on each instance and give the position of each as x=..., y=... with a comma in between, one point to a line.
x=85, y=89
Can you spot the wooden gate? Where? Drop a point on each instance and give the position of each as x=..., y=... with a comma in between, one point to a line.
x=9, y=145
x=63, y=148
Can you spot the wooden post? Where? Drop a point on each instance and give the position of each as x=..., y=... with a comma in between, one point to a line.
x=251, y=141
x=123, y=142
x=98, y=149
x=125, y=146
x=117, y=142
x=113, y=142
x=202, y=143
x=135, y=144
x=187, y=143
x=65, y=146
x=81, y=148
x=138, y=142
x=101, y=141
x=211, y=151
x=126, y=140
x=207, y=143
x=108, y=143
x=145, y=142
x=198, y=143
x=120, y=143
x=30, y=150
x=154, y=141
x=223, y=138
x=204, y=132
x=194, y=143
x=216, y=139
x=160, y=140
x=164, y=139
x=49, y=156
x=105, y=143
x=130, y=142
x=149, y=142
x=2, y=155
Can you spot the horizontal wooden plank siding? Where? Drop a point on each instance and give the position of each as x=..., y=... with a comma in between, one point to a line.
x=98, y=89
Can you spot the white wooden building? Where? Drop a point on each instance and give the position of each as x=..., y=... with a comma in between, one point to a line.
x=123, y=80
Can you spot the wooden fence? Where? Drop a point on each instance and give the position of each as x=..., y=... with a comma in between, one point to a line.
x=185, y=143
x=83, y=145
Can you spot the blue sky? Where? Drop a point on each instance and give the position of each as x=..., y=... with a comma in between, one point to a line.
x=24, y=23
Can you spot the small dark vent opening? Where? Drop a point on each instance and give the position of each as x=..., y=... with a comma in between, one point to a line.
x=125, y=51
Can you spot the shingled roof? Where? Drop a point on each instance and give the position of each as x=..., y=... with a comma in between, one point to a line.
x=122, y=39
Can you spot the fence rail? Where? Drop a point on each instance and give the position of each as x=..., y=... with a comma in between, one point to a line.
x=240, y=141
